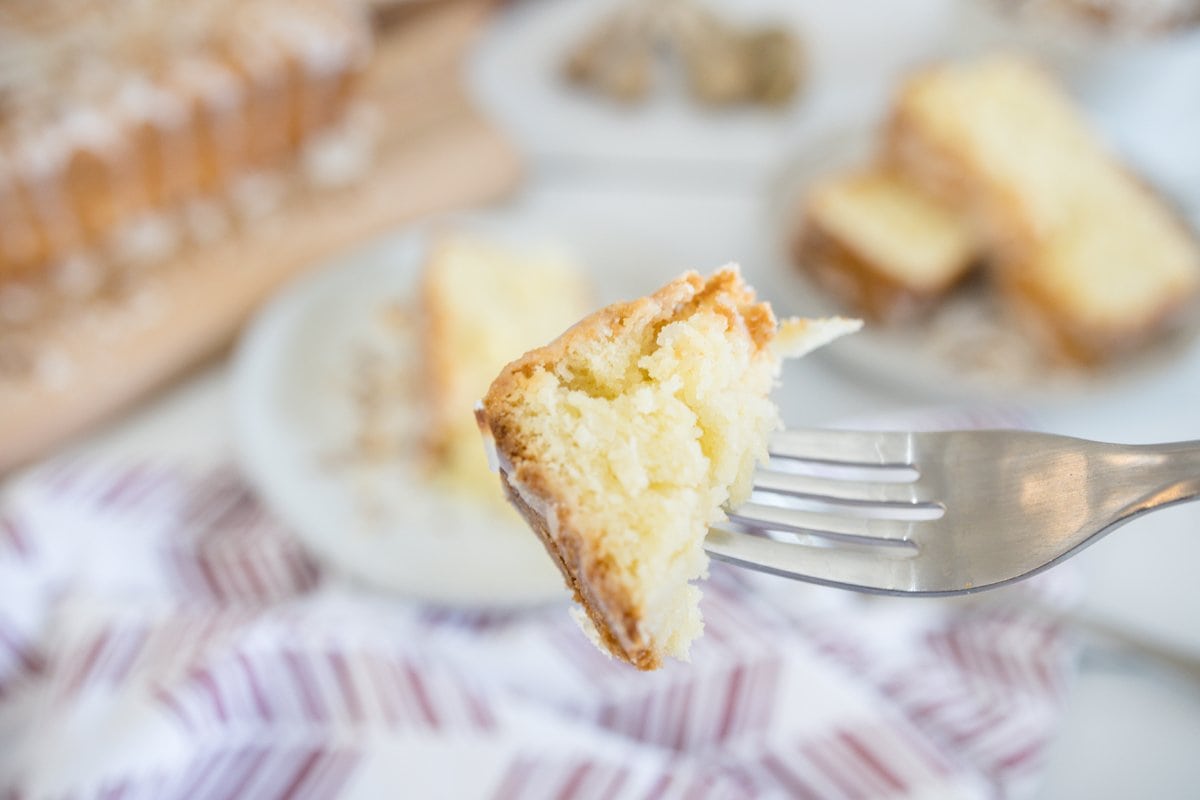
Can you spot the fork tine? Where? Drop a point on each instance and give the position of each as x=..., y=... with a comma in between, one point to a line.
x=879, y=448
x=797, y=521
x=832, y=489
x=868, y=568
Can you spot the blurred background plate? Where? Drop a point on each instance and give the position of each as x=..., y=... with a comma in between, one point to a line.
x=296, y=421
x=963, y=349
x=295, y=418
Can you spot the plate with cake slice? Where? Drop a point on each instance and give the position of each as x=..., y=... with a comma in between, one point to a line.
x=991, y=240
x=353, y=398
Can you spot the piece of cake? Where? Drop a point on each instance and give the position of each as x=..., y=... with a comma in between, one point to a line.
x=882, y=246
x=1090, y=255
x=621, y=441
x=481, y=305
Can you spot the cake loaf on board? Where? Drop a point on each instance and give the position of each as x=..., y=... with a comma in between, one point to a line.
x=79, y=359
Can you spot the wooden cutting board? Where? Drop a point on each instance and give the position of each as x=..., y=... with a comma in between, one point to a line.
x=435, y=153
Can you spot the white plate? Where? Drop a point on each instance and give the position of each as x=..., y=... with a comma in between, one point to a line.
x=294, y=419
x=963, y=350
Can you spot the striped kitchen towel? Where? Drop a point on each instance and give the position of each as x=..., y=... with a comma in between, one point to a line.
x=162, y=636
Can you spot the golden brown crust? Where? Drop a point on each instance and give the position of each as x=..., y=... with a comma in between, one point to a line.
x=724, y=292
x=1084, y=345
x=602, y=591
x=854, y=280
x=603, y=606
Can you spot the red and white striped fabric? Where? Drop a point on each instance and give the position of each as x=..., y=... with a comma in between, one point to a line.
x=163, y=637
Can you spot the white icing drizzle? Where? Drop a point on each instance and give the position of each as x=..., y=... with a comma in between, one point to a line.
x=140, y=100
x=222, y=94
x=547, y=511
x=214, y=84
x=589, y=629
x=340, y=155
x=320, y=45
x=489, y=443
x=87, y=128
x=498, y=462
x=39, y=155
x=142, y=241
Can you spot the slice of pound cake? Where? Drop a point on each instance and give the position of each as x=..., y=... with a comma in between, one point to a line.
x=481, y=304
x=621, y=441
x=881, y=245
x=1096, y=261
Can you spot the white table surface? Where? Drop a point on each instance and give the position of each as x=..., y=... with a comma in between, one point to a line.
x=695, y=184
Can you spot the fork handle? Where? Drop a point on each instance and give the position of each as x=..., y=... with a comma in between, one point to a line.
x=1174, y=470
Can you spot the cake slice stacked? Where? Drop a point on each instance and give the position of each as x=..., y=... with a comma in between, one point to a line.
x=1090, y=255
x=988, y=161
x=881, y=245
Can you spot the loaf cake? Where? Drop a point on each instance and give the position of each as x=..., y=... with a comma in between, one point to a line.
x=481, y=305
x=880, y=245
x=115, y=115
x=1088, y=255
x=622, y=440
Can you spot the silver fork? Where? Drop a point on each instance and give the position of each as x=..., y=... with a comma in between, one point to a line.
x=942, y=513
